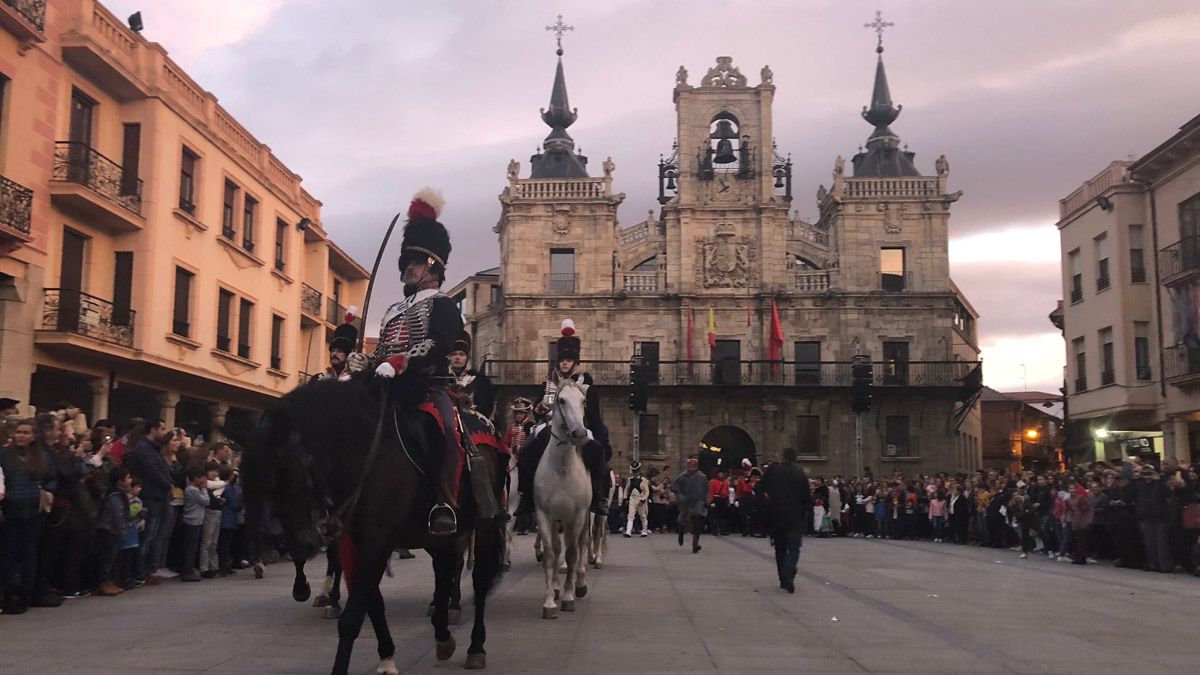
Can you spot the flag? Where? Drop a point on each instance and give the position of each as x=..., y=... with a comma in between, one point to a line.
x=712, y=332
x=775, y=345
x=749, y=335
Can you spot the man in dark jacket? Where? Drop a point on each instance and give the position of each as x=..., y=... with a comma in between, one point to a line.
x=147, y=464
x=790, y=499
x=1151, y=509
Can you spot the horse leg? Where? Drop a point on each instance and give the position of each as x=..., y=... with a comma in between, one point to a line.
x=539, y=547
x=443, y=565
x=489, y=544
x=508, y=541
x=334, y=609
x=454, y=612
x=471, y=552
x=383, y=636
x=300, y=588
x=372, y=561
x=549, y=567
x=322, y=599
x=571, y=555
x=583, y=545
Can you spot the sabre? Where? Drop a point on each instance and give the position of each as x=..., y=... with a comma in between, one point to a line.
x=362, y=334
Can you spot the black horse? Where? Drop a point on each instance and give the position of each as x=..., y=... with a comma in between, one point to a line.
x=311, y=463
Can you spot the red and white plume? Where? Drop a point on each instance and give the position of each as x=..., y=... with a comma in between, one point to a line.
x=427, y=203
x=351, y=314
x=568, y=327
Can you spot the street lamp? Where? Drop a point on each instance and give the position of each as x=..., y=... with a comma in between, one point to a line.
x=1031, y=434
x=1101, y=433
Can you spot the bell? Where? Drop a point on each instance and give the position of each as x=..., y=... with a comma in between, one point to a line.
x=671, y=180
x=778, y=179
x=724, y=152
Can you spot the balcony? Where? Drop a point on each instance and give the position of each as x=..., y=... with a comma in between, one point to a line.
x=96, y=187
x=334, y=312
x=561, y=282
x=804, y=374
x=310, y=304
x=25, y=19
x=16, y=207
x=810, y=282
x=1180, y=261
x=559, y=190
x=72, y=311
x=895, y=282
x=1181, y=364
x=641, y=282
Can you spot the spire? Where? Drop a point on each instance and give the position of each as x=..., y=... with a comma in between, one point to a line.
x=883, y=156
x=559, y=159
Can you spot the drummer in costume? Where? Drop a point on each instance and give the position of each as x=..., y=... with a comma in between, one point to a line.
x=596, y=453
x=415, y=340
x=340, y=348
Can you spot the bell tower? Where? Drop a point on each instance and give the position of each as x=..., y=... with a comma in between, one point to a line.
x=725, y=191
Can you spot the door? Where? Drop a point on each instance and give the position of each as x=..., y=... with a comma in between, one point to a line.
x=70, y=281
x=129, y=159
x=895, y=363
x=80, y=137
x=727, y=366
x=808, y=363
x=123, y=289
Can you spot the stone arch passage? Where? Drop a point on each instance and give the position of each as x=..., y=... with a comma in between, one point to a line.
x=723, y=449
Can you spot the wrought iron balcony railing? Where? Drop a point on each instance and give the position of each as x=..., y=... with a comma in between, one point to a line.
x=16, y=205
x=72, y=311
x=744, y=373
x=310, y=299
x=1179, y=259
x=561, y=282
x=79, y=163
x=1181, y=361
x=34, y=11
x=334, y=312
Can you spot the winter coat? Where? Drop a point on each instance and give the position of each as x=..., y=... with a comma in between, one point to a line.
x=1151, y=504
x=147, y=464
x=233, y=507
x=691, y=494
x=23, y=489
x=789, y=496
x=114, y=513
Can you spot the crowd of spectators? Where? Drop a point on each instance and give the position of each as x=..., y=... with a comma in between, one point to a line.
x=1137, y=513
x=100, y=509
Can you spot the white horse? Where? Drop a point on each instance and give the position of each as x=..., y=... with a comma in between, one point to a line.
x=562, y=495
x=599, y=541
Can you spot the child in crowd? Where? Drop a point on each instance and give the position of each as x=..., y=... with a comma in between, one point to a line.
x=212, y=520
x=937, y=515
x=230, y=514
x=111, y=527
x=129, y=572
x=195, y=503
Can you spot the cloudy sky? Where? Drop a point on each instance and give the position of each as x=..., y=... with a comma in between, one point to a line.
x=369, y=100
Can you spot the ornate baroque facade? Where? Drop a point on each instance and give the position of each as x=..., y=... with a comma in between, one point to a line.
x=869, y=277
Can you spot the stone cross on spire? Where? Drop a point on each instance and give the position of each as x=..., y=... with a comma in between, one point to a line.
x=878, y=25
x=559, y=28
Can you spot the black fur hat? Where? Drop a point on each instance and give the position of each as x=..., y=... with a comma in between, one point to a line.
x=424, y=237
x=462, y=343
x=345, y=336
x=568, y=345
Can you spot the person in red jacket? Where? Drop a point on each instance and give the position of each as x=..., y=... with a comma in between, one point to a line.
x=718, y=502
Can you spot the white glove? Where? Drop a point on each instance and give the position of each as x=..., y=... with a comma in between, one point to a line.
x=385, y=370
x=356, y=362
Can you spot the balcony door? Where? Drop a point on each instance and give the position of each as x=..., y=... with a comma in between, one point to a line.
x=727, y=366
x=70, y=280
x=80, y=134
x=895, y=358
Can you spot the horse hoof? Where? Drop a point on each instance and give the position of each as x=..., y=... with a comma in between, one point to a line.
x=538, y=556
x=445, y=649
x=568, y=605
x=321, y=601
x=301, y=593
x=429, y=611
x=592, y=560
x=332, y=612
x=454, y=616
x=580, y=591
x=599, y=565
x=476, y=661
x=549, y=612
x=562, y=569
x=387, y=667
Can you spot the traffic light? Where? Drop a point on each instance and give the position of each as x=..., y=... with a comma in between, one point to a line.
x=862, y=373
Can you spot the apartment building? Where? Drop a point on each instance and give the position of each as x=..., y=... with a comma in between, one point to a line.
x=174, y=265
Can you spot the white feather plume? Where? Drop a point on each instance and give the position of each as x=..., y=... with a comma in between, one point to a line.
x=433, y=198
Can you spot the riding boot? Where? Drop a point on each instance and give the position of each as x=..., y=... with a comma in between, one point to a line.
x=599, y=492
x=443, y=517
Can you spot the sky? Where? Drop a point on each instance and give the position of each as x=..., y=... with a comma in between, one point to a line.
x=370, y=100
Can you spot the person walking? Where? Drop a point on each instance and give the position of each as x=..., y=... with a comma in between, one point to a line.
x=691, y=497
x=639, y=499
x=787, y=491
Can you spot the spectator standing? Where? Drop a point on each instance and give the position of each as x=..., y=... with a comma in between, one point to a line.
x=212, y=521
x=130, y=573
x=789, y=497
x=110, y=526
x=1151, y=508
x=195, y=503
x=937, y=515
x=231, y=515
x=718, y=504
x=26, y=467
x=691, y=498
x=147, y=464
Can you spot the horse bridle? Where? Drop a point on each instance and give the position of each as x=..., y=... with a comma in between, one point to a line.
x=554, y=408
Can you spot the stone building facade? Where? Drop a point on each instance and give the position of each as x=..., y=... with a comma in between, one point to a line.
x=870, y=277
x=156, y=259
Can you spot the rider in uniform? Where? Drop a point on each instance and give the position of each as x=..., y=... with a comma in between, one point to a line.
x=469, y=383
x=340, y=348
x=415, y=340
x=596, y=453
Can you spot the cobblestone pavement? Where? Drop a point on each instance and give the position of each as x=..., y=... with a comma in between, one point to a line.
x=860, y=606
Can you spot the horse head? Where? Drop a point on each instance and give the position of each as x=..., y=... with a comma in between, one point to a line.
x=569, y=411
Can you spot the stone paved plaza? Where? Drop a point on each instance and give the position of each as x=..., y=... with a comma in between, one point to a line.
x=861, y=606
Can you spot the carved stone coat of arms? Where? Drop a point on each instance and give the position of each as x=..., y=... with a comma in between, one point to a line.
x=727, y=260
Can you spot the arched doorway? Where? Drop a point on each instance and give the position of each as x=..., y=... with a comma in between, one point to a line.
x=724, y=448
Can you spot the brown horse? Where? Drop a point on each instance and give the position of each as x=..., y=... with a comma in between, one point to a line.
x=313, y=462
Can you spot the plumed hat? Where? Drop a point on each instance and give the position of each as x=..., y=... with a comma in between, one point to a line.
x=345, y=336
x=462, y=343
x=424, y=237
x=568, y=344
x=521, y=404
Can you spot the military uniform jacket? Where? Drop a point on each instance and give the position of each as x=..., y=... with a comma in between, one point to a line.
x=416, y=333
x=479, y=388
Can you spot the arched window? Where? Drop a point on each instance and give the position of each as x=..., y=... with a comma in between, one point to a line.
x=648, y=265
x=802, y=264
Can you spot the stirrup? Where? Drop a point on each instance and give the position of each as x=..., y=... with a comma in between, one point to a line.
x=453, y=519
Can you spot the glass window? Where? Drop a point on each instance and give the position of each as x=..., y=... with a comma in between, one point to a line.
x=892, y=271
x=808, y=362
x=1102, y=280
x=898, y=442
x=1076, y=270
x=276, y=342
x=245, y=317
x=1141, y=349
x=281, y=228
x=224, y=314
x=648, y=434
x=187, y=181
x=231, y=191
x=562, y=270
x=808, y=435
x=181, y=320
x=1137, y=254
x=1077, y=347
x=1106, y=356
x=250, y=207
